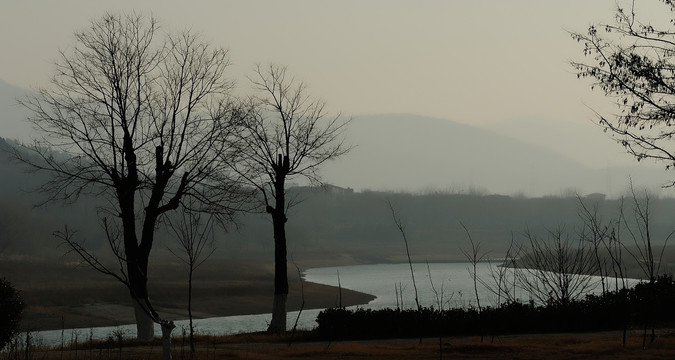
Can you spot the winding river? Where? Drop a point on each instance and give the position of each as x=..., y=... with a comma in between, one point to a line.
x=445, y=284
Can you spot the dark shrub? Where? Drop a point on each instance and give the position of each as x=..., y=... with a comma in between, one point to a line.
x=646, y=304
x=11, y=307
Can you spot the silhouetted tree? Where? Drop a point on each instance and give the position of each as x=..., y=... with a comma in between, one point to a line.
x=11, y=308
x=286, y=134
x=557, y=268
x=644, y=245
x=639, y=228
x=141, y=122
x=634, y=62
x=605, y=238
x=193, y=235
x=502, y=278
x=401, y=229
x=597, y=233
x=473, y=256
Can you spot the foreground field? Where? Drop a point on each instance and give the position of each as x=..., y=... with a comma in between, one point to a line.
x=248, y=346
x=512, y=347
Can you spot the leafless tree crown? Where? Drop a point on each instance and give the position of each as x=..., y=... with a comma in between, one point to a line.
x=286, y=122
x=634, y=62
x=127, y=109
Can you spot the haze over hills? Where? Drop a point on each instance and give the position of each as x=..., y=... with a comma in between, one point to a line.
x=404, y=152
x=12, y=116
x=398, y=152
x=584, y=141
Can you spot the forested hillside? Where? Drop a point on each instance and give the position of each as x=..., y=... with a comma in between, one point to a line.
x=333, y=221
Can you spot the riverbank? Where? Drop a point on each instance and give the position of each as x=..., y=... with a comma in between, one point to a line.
x=62, y=296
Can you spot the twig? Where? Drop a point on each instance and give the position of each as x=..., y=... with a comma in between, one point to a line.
x=302, y=305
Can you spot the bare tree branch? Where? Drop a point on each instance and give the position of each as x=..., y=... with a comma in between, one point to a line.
x=634, y=63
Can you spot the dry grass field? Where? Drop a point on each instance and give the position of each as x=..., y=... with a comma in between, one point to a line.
x=594, y=346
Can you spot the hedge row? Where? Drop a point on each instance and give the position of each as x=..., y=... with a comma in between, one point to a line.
x=647, y=303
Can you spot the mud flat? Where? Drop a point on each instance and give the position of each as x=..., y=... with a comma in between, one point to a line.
x=62, y=296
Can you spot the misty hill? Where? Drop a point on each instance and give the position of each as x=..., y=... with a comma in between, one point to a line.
x=393, y=152
x=13, y=124
x=414, y=153
x=404, y=152
x=585, y=141
x=350, y=226
x=341, y=221
x=27, y=229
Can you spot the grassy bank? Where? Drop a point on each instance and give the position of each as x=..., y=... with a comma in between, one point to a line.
x=597, y=346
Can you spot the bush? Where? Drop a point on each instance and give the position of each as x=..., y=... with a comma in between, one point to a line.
x=647, y=303
x=11, y=308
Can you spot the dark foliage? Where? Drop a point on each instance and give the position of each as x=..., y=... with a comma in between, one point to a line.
x=647, y=303
x=11, y=308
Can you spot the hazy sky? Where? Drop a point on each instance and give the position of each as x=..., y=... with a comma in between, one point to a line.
x=468, y=61
x=474, y=62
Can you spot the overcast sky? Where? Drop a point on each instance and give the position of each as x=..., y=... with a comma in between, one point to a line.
x=468, y=61
x=474, y=62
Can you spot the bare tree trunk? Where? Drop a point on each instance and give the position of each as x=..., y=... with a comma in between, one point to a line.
x=192, y=328
x=302, y=305
x=278, y=323
x=145, y=326
x=167, y=328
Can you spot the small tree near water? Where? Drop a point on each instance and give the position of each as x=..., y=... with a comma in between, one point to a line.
x=193, y=235
x=11, y=309
x=557, y=268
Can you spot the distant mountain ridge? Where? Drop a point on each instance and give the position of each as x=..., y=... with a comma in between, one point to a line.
x=583, y=140
x=405, y=152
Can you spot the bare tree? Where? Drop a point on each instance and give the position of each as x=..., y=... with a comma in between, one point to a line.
x=138, y=121
x=193, y=235
x=474, y=256
x=286, y=134
x=605, y=240
x=401, y=229
x=639, y=229
x=633, y=62
x=643, y=248
x=557, y=269
x=502, y=279
x=597, y=233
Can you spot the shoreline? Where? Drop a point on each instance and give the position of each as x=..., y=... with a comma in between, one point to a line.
x=67, y=297
x=44, y=318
